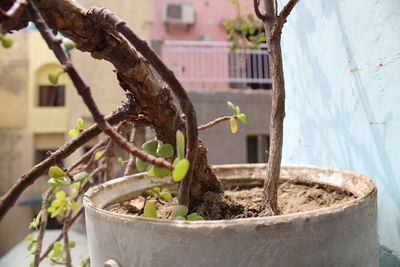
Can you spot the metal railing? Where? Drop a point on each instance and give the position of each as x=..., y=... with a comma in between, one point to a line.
x=211, y=65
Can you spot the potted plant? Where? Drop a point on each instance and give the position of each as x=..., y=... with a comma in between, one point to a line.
x=340, y=235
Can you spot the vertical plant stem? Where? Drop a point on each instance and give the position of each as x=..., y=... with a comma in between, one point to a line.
x=130, y=166
x=66, y=225
x=43, y=225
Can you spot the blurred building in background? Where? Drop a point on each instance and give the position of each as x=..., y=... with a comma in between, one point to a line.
x=35, y=116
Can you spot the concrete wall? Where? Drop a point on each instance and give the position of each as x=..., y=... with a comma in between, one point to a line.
x=223, y=146
x=342, y=65
x=209, y=17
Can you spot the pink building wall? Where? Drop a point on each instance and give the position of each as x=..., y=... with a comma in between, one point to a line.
x=209, y=17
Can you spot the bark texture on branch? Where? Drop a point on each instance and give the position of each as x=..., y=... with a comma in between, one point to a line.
x=273, y=25
x=92, y=35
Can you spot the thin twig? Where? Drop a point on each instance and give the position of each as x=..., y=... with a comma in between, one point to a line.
x=168, y=76
x=43, y=225
x=130, y=166
x=216, y=121
x=71, y=222
x=67, y=251
x=12, y=16
x=10, y=197
x=281, y=19
x=88, y=156
x=84, y=91
x=256, y=4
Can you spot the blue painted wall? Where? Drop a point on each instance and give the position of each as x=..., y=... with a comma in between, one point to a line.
x=342, y=70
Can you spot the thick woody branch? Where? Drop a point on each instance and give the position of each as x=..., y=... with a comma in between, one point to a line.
x=281, y=19
x=168, y=76
x=10, y=20
x=9, y=198
x=257, y=10
x=84, y=91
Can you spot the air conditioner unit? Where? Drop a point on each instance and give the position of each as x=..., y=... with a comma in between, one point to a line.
x=178, y=13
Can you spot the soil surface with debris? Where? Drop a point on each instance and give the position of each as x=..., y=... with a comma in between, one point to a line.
x=246, y=203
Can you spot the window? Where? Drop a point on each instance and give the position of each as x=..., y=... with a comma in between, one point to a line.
x=257, y=148
x=51, y=96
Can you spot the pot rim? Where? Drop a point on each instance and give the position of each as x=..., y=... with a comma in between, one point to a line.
x=270, y=220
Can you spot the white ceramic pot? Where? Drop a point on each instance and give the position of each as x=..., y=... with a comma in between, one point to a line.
x=341, y=235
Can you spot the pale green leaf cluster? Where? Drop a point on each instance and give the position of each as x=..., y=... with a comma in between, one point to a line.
x=166, y=151
x=236, y=115
x=161, y=193
x=244, y=32
x=78, y=127
x=60, y=204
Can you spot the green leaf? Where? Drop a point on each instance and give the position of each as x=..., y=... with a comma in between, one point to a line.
x=150, y=147
x=141, y=165
x=60, y=195
x=180, y=170
x=180, y=210
x=55, y=203
x=232, y=106
x=165, y=151
x=243, y=118
x=151, y=172
x=53, y=77
x=198, y=218
x=68, y=43
x=174, y=193
x=98, y=155
x=192, y=216
x=52, y=182
x=165, y=190
x=161, y=172
x=234, y=126
x=73, y=132
x=6, y=42
x=72, y=244
x=237, y=110
x=29, y=238
x=120, y=161
x=180, y=145
x=149, y=193
x=56, y=172
x=180, y=218
x=75, y=205
x=157, y=189
x=150, y=210
x=57, y=245
x=64, y=181
x=79, y=123
x=165, y=195
x=81, y=176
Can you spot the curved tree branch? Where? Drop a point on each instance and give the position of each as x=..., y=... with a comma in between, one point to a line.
x=281, y=19
x=256, y=4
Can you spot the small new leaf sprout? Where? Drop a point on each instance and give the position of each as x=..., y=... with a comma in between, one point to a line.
x=35, y=222
x=163, y=194
x=232, y=106
x=53, y=77
x=68, y=43
x=157, y=189
x=180, y=145
x=98, y=155
x=72, y=243
x=121, y=161
x=56, y=172
x=233, y=124
x=78, y=127
x=150, y=210
x=180, y=210
x=5, y=41
x=166, y=195
x=243, y=118
x=180, y=170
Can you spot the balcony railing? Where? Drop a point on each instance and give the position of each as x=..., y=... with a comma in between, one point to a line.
x=211, y=65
